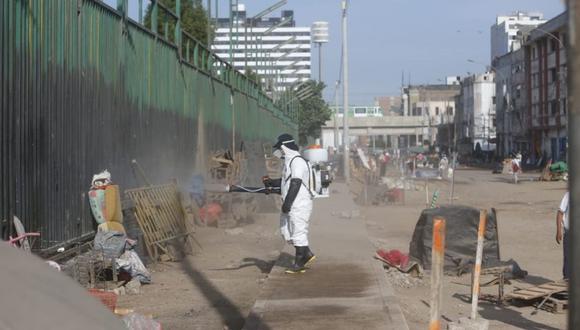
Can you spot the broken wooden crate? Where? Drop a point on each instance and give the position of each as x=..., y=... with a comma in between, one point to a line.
x=161, y=217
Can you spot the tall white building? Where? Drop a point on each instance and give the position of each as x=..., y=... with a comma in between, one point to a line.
x=476, y=117
x=504, y=33
x=274, y=48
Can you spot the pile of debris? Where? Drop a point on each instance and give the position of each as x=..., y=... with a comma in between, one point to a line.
x=403, y=280
x=557, y=171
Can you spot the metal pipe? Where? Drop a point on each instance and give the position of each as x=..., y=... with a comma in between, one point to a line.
x=346, y=156
x=320, y=62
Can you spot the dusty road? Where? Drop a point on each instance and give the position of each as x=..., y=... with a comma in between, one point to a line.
x=526, y=220
x=218, y=286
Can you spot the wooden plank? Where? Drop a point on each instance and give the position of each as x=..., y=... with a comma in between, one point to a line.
x=538, y=291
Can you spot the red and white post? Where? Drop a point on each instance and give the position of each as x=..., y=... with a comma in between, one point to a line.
x=437, y=260
x=477, y=267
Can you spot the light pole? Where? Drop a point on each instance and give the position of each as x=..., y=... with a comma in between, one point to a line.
x=345, y=139
x=336, y=114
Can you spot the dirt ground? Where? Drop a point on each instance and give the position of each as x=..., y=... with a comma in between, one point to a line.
x=526, y=220
x=216, y=287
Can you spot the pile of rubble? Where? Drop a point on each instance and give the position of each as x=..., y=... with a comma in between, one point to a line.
x=403, y=280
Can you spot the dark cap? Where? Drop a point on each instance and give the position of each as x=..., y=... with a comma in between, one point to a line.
x=287, y=140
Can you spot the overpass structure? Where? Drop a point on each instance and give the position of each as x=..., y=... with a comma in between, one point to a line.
x=394, y=131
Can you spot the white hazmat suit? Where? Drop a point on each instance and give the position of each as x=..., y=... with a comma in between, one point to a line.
x=294, y=224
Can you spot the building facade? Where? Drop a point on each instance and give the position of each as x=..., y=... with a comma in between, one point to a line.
x=512, y=104
x=391, y=105
x=434, y=103
x=274, y=48
x=504, y=33
x=546, y=71
x=476, y=116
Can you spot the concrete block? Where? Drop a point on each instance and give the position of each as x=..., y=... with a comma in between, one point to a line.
x=466, y=323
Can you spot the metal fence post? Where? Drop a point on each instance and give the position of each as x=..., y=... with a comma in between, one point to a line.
x=154, y=18
x=437, y=261
x=177, y=31
x=141, y=11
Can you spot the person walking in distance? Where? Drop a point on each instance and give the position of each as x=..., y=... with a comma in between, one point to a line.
x=297, y=200
x=562, y=235
x=517, y=166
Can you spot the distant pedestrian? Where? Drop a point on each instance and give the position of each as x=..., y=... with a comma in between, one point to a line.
x=517, y=166
x=562, y=235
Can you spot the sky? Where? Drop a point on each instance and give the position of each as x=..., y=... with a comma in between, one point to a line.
x=426, y=39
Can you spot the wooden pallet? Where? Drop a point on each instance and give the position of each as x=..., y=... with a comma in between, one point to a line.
x=558, y=303
x=539, y=291
x=160, y=215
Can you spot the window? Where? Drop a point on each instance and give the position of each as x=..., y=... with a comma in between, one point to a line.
x=564, y=105
x=534, y=52
x=553, y=45
x=493, y=99
x=553, y=75
x=450, y=111
x=554, y=107
x=360, y=111
x=535, y=80
x=437, y=111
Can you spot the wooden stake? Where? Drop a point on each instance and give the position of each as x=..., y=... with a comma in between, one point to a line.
x=437, y=260
x=477, y=267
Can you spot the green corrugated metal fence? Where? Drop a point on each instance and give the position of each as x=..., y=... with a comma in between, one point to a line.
x=84, y=88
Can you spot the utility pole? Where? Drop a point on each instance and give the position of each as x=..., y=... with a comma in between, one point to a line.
x=336, y=114
x=345, y=140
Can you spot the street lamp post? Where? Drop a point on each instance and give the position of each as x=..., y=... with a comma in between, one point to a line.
x=336, y=114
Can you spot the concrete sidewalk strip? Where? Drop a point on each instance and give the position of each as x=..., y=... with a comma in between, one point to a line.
x=344, y=288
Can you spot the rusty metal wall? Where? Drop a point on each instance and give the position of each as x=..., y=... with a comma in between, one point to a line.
x=83, y=88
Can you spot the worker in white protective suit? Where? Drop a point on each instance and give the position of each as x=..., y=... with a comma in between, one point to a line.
x=296, y=201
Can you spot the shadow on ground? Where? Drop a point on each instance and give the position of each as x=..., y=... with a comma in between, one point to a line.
x=230, y=313
x=495, y=312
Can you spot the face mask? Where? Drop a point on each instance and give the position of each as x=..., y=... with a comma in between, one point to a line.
x=278, y=153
